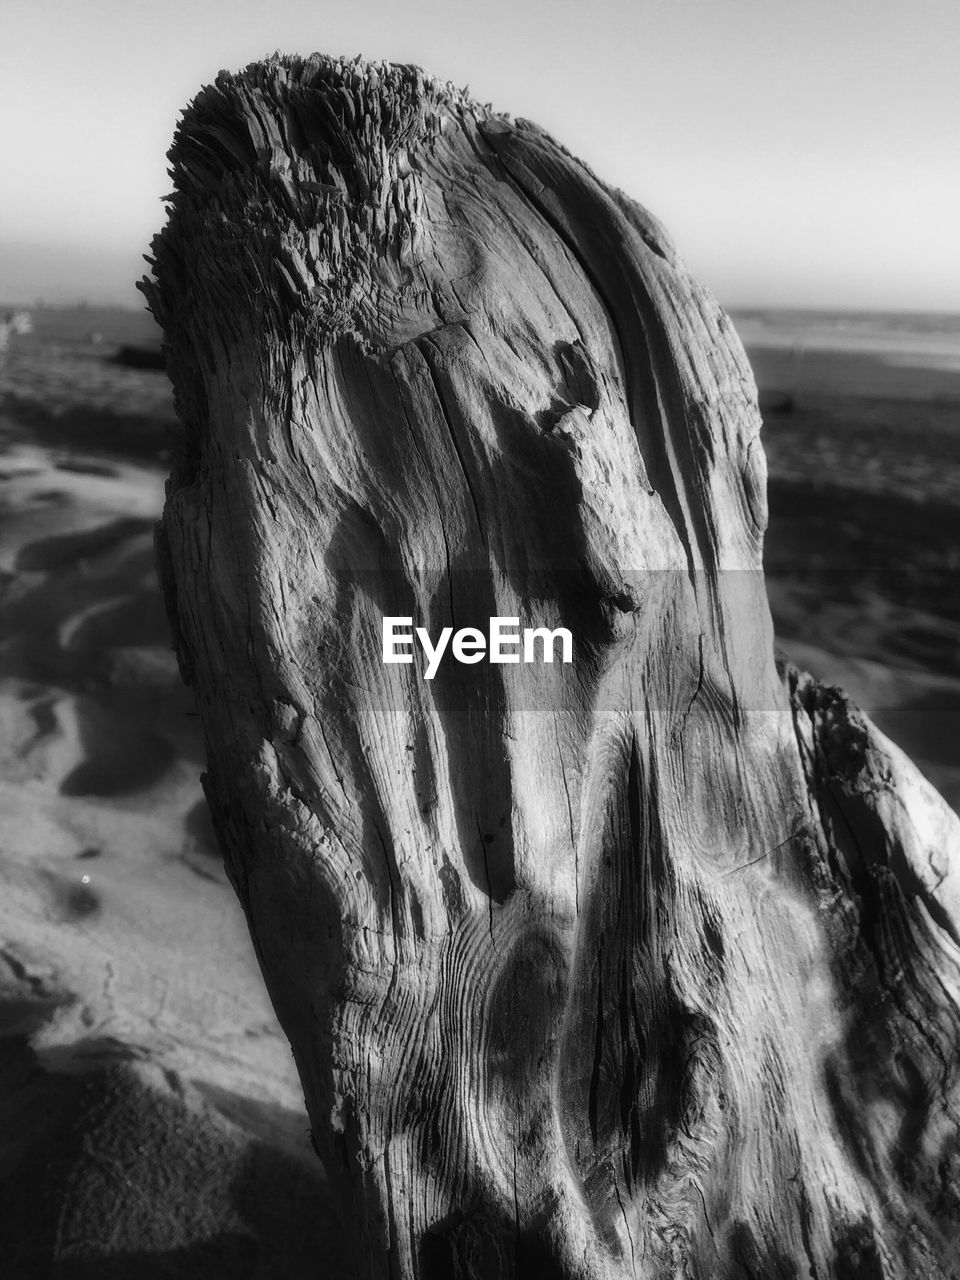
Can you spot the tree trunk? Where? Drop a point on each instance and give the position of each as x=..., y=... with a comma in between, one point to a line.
x=644, y=964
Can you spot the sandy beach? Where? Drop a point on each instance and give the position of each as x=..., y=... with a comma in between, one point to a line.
x=862, y=556
x=150, y=1105
x=152, y=1118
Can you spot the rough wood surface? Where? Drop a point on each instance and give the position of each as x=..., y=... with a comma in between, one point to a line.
x=646, y=965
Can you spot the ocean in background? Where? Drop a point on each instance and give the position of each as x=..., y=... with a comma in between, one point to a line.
x=930, y=334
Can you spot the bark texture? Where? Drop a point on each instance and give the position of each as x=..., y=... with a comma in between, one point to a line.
x=645, y=966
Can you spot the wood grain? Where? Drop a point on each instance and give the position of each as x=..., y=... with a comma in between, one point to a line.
x=643, y=966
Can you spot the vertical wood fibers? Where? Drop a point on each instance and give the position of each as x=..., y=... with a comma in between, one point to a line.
x=643, y=966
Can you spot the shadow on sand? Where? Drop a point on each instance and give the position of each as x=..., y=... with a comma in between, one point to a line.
x=102, y=1175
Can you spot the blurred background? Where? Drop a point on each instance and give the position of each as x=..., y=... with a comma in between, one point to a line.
x=803, y=157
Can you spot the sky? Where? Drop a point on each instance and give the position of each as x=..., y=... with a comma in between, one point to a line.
x=800, y=152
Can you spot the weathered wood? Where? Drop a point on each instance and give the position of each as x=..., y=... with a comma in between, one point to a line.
x=646, y=965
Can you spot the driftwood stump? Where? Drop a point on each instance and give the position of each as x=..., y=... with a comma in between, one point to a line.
x=644, y=964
